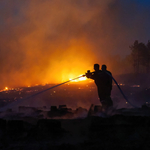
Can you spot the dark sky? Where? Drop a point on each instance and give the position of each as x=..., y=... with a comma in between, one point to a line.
x=53, y=40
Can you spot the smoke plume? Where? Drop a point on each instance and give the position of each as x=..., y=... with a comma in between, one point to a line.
x=51, y=41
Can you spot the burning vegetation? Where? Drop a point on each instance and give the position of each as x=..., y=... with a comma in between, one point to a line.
x=53, y=41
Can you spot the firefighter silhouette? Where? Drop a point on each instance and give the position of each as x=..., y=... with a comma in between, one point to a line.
x=103, y=81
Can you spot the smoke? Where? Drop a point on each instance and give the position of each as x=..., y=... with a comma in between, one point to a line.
x=53, y=40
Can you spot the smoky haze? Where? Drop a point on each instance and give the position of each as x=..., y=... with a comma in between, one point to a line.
x=51, y=41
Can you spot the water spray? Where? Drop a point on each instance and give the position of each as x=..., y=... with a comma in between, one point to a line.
x=20, y=100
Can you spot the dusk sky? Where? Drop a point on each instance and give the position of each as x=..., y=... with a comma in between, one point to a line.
x=50, y=41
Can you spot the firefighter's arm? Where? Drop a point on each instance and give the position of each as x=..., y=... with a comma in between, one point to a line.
x=89, y=75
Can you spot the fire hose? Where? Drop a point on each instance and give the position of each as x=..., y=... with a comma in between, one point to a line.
x=121, y=91
x=20, y=100
x=90, y=73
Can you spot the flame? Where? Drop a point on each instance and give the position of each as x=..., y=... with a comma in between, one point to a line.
x=6, y=88
x=81, y=78
x=62, y=64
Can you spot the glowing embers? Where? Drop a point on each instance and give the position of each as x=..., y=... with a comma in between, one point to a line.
x=6, y=88
x=135, y=86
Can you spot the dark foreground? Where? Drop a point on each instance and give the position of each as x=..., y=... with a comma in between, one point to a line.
x=115, y=132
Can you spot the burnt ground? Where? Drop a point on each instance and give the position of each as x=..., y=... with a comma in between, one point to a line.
x=114, y=132
x=125, y=128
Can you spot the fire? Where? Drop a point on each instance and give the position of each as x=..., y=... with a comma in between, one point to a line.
x=60, y=64
x=81, y=78
x=6, y=88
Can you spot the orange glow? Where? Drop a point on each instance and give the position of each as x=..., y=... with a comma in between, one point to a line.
x=70, y=63
x=62, y=64
x=79, y=79
x=54, y=41
x=6, y=88
x=83, y=78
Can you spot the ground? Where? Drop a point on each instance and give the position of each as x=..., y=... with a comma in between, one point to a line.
x=119, y=131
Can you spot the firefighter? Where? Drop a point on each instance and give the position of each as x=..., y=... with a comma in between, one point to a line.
x=103, y=82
